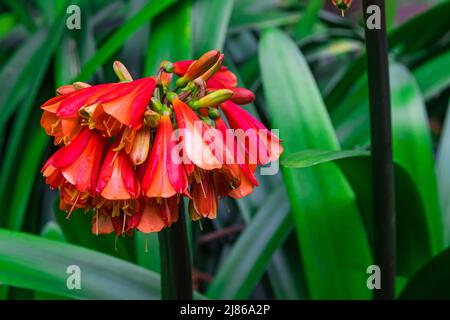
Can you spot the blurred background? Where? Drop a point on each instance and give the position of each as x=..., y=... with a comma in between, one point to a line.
x=305, y=233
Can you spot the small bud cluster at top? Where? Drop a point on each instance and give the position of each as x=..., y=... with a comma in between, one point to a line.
x=342, y=5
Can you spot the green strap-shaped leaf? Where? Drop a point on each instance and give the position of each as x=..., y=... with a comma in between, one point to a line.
x=443, y=170
x=433, y=76
x=115, y=41
x=413, y=242
x=411, y=138
x=308, y=158
x=170, y=37
x=31, y=262
x=430, y=282
x=245, y=264
x=332, y=239
x=210, y=23
x=398, y=37
x=304, y=26
x=27, y=167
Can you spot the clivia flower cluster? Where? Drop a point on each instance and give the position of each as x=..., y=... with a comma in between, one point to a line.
x=342, y=5
x=129, y=151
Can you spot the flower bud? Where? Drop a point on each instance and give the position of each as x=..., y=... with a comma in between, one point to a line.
x=214, y=113
x=199, y=67
x=121, y=71
x=208, y=74
x=141, y=146
x=213, y=99
x=171, y=96
x=65, y=89
x=80, y=85
x=242, y=96
x=152, y=118
x=342, y=5
x=167, y=66
x=155, y=104
x=208, y=121
x=166, y=79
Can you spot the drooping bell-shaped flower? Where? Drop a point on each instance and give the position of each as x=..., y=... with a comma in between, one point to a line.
x=165, y=175
x=204, y=196
x=158, y=213
x=117, y=179
x=261, y=145
x=79, y=161
x=196, y=137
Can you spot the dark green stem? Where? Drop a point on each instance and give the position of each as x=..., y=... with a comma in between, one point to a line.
x=381, y=140
x=176, y=269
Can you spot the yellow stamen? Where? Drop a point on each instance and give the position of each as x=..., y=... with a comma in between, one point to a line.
x=123, y=224
x=73, y=206
x=54, y=125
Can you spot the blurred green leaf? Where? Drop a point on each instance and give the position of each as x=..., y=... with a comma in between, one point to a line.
x=15, y=83
x=22, y=185
x=411, y=138
x=332, y=240
x=391, y=13
x=433, y=76
x=7, y=22
x=286, y=273
x=413, y=241
x=245, y=264
x=305, y=25
x=410, y=34
x=308, y=158
x=430, y=282
x=18, y=7
x=135, y=48
x=443, y=170
x=26, y=167
x=115, y=41
x=262, y=19
x=210, y=23
x=147, y=251
x=35, y=263
x=170, y=37
x=53, y=231
x=51, y=9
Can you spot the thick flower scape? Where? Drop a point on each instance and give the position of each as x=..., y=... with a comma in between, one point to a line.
x=129, y=151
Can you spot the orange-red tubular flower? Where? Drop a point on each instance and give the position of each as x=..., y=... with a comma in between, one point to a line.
x=195, y=133
x=117, y=179
x=261, y=145
x=165, y=175
x=236, y=178
x=204, y=196
x=79, y=161
x=62, y=129
x=126, y=102
x=157, y=213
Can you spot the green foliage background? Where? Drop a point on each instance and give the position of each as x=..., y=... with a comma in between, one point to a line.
x=305, y=233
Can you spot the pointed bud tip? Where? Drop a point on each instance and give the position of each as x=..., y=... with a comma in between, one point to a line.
x=171, y=96
x=121, y=71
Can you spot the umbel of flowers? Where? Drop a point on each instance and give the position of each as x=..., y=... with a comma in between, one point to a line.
x=129, y=151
